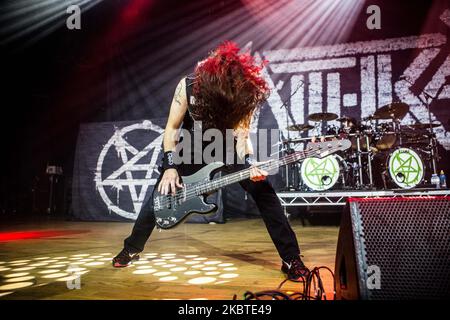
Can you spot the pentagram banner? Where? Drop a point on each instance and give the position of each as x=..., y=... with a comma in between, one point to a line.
x=116, y=169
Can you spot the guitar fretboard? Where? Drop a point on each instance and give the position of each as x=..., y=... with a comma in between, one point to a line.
x=235, y=177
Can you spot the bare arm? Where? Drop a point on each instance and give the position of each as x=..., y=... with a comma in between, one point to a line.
x=244, y=147
x=171, y=180
x=177, y=111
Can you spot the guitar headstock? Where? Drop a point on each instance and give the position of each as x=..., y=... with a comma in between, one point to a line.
x=323, y=149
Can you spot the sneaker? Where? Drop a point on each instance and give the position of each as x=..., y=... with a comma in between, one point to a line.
x=124, y=259
x=295, y=269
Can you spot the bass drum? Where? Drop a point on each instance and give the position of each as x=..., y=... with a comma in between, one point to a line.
x=319, y=174
x=405, y=168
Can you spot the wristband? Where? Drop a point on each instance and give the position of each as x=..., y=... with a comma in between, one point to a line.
x=168, y=161
x=248, y=160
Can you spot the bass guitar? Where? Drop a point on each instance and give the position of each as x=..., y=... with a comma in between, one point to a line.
x=172, y=209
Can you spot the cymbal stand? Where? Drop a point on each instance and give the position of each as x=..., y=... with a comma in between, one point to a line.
x=284, y=105
x=360, y=170
x=433, y=143
x=369, y=161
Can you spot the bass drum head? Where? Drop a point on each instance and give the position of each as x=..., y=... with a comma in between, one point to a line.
x=320, y=174
x=405, y=168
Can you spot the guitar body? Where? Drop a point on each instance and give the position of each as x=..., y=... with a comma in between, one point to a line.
x=170, y=211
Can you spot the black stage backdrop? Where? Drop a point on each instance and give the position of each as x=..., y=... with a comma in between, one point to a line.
x=116, y=169
x=124, y=64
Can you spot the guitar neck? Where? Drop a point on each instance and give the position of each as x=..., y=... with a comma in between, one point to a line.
x=270, y=165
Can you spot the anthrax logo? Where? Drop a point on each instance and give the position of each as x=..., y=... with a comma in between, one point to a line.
x=318, y=72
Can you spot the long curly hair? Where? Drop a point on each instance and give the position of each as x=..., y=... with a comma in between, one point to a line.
x=228, y=88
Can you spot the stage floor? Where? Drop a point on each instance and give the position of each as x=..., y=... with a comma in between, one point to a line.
x=193, y=261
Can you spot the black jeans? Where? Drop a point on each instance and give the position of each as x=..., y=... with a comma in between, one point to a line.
x=262, y=193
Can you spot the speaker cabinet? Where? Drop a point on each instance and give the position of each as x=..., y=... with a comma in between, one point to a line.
x=394, y=248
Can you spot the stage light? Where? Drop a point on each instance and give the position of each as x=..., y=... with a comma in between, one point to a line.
x=105, y=259
x=225, y=265
x=144, y=267
x=168, y=254
x=170, y=278
x=2, y=294
x=20, y=261
x=24, y=269
x=49, y=271
x=175, y=273
x=40, y=264
x=201, y=280
x=144, y=271
x=56, y=266
x=230, y=269
x=27, y=23
x=177, y=269
x=209, y=268
x=24, y=235
x=4, y=269
x=55, y=275
x=69, y=278
x=18, y=274
x=228, y=275
x=19, y=279
x=95, y=263
x=17, y=285
x=162, y=273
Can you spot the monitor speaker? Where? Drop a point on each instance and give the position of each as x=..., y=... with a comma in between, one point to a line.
x=394, y=248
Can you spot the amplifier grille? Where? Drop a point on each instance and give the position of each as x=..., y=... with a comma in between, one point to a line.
x=409, y=240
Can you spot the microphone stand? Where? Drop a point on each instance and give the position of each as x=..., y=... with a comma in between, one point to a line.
x=288, y=185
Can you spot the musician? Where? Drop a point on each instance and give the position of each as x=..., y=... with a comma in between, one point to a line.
x=224, y=92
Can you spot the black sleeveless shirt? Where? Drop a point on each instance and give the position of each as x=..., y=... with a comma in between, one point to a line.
x=189, y=119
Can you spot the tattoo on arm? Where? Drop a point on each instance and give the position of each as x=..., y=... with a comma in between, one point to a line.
x=178, y=94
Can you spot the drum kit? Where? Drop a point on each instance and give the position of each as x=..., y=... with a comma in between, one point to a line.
x=385, y=154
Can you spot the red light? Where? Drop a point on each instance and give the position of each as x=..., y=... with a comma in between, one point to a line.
x=24, y=235
x=134, y=8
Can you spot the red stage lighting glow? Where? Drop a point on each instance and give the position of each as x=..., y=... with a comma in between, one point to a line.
x=133, y=9
x=24, y=235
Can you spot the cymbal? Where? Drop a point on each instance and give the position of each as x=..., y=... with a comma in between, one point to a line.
x=395, y=110
x=370, y=118
x=322, y=116
x=422, y=125
x=300, y=127
x=346, y=119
